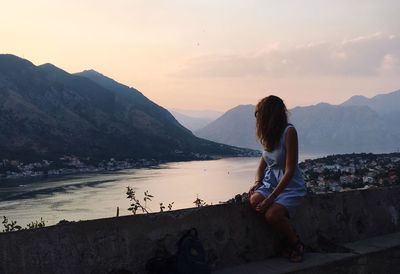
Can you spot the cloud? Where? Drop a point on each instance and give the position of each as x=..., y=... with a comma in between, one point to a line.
x=370, y=55
x=224, y=66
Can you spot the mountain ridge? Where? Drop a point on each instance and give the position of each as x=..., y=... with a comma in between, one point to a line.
x=381, y=103
x=321, y=127
x=46, y=112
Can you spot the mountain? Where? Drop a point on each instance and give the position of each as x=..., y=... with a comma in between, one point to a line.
x=356, y=100
x=340, y=129
x=207, y=114
x=383, y=104
x=360, y=125
x=386, y=105
x=46, y=113
x=189, y=122
x=235, y=127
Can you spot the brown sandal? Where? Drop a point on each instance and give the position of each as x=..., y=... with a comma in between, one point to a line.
x=286, y=249
x=297, y=252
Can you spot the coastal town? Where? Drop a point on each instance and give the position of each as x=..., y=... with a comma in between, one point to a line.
x=336, y=173
x=70, y=164
x=66, y=165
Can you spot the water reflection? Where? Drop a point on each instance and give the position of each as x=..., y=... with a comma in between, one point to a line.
x=98, y=195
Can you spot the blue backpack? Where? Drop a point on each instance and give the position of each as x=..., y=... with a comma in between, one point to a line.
x=190, y=258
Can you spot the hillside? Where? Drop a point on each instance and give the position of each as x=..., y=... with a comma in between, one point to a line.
x=341, y=129
x=355, y=126
x=383, y=103
x=191, y=123
x=235, y=127
x=46, y=112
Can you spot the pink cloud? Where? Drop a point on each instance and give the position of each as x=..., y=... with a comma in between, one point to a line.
x=369, y=55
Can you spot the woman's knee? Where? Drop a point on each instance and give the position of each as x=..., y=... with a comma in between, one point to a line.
x=253, y=202
x=255, y=199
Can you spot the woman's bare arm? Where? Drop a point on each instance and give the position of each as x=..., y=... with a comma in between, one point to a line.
x=291, y=143
x=259, y=176
x=260, y=170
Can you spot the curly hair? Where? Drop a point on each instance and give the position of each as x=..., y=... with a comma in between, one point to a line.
x=271, y=120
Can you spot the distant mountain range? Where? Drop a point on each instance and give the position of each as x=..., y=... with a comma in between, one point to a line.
x=189, y=122
x=194, y=119
x=208, y=114
x=358, y=125
x=46, y=113
x=236, y=126
x=383, y=104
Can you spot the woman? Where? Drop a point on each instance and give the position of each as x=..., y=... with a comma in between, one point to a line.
x=279, y=186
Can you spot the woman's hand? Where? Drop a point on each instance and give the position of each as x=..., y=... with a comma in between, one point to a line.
x=256, y=185
x=264, y=205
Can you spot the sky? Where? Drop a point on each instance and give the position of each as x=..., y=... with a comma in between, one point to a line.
x=216, y=54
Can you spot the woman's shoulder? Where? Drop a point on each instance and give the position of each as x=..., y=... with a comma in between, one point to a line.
x=290, y=133
x=289, y=127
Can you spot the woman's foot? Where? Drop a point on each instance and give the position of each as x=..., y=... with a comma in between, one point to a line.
x=297, y=253
x=286, y=249
x=285, y=253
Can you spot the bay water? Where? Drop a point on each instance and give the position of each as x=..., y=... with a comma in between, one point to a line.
x=92, y=196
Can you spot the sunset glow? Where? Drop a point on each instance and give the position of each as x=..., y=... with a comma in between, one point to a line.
x=215, y=54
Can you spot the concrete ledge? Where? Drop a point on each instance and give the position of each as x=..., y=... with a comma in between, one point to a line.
x=232, y=234
x=373, y=255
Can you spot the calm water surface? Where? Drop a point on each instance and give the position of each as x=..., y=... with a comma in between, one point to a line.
x=98, y=195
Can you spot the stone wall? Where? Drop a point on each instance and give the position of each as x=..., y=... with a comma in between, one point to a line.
x=385, y=261
x=231, y=234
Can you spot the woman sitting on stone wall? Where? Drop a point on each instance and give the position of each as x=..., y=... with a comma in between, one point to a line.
x=279, y=186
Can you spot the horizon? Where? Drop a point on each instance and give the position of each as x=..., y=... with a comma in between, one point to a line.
x=206, y=112
x=207, y=55
x=126, y=107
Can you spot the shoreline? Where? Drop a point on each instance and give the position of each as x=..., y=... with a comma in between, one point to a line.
x=59, y=173
x=125, y=165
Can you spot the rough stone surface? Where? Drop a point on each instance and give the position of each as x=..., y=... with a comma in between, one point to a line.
x=231, y=234
x=372, y=263
x=372, y=255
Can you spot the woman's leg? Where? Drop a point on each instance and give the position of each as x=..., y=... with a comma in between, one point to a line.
x=277, y=216
x=255, y=199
